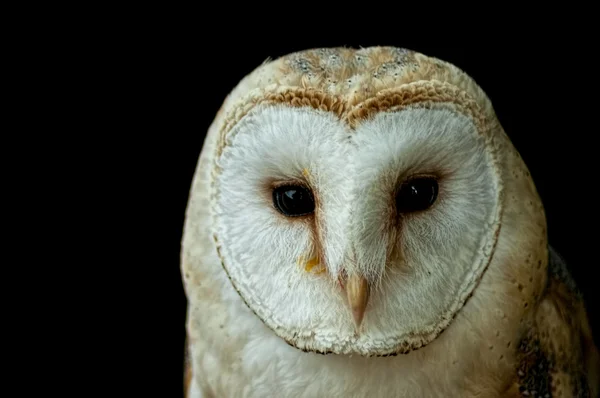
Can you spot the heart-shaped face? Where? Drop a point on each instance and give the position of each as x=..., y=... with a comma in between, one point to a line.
x=360, y=231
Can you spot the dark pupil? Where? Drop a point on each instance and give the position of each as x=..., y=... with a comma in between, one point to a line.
x=416, y=194
x=293, y=200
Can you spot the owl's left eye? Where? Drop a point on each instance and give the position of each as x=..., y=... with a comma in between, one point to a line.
x=293, y=200
x=417, y=194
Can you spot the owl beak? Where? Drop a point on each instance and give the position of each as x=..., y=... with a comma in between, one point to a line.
x=357, y=291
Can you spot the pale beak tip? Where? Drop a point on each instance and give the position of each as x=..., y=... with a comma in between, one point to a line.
x=358, y=318
x=357, y=290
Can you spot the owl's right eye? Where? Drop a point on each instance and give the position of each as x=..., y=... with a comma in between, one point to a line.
x=293, y=200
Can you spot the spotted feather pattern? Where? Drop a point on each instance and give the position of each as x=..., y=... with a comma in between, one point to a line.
x=552, y=362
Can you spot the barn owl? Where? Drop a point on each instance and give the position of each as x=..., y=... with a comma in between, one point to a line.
x=360, y=225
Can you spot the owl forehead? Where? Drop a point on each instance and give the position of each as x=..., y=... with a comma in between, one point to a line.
x=353, y=84
x=355, y=74
x=421, y=94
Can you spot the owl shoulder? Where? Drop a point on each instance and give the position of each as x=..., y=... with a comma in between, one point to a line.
x=557, y=356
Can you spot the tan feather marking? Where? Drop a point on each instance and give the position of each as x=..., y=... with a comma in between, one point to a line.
x=417, y=93
x=294, y=96
x=314, y=266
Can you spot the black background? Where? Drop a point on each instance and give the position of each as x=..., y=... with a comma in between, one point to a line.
x=539, y=86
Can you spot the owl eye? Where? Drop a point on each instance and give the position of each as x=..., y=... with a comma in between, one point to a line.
x=416, y=194
x=293, y=200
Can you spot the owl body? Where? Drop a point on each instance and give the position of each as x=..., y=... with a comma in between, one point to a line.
x=360, y=225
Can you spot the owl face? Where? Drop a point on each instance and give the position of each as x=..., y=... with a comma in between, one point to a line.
x=357, y=235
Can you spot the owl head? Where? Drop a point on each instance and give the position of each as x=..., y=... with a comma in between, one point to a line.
x=357, y=198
